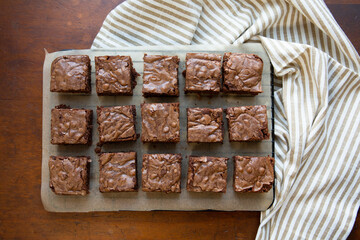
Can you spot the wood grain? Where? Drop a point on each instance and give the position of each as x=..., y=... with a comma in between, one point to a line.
x=27, y=27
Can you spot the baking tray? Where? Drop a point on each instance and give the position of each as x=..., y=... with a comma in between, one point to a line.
x=142, y=201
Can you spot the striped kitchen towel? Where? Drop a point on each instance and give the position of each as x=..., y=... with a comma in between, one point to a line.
x=317, y=101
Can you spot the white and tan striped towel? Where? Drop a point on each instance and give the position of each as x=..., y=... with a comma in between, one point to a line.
x=317, y=98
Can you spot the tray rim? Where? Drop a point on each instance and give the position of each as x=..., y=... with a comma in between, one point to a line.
x=166, y=48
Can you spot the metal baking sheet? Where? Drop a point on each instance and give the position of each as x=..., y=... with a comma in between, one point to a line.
x=142, y=201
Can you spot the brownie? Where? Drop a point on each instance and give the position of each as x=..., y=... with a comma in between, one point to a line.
x=247, y=123
x=242, y=73
x=253, y=174
x=203, y=73
x=161, y=173
x=69, y=175
x=160, y=76
x=115, y=75
x=204, y=125
x=116, y=124
x=160, y=122
x=207, y=174
x=71, y=74
x=71, y=126
x=117, y=172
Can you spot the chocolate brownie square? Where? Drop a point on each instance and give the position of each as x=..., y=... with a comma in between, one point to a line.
x=203, y=73
x=69, y=175
x=160, y=76
x=247, y=123
x=116, y=124
x=207, y=174
x=204, y=125
x=115, y=75
x=71, y=74
x=161, y=173
x=242, y=73
x=70, y=125
x=253, y=174
x=160, y=122
x=117, y=172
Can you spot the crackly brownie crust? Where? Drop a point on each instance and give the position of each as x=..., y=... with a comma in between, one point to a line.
x=71, y=126
x=160, y=122
x=242, y=73
x=117, y=172
x=253, y=174
x=161, y=173
x=69, y=175
x=71, y=74
x=247, y=123
x=160, y=76
x=116, y=124
x=204, y=125
x=207, y=174
x=203, y=73
x=115, y=75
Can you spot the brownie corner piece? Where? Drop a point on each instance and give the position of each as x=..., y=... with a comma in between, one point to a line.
x=242, y=73
x=69, y=175
x=207, y=174
x=203, y=73
x=160, y=122
x=115, y=75
x=71, y=74
x=71, y=126
x=160, y=77
x=205, y=125
x=116, y=124
x=253, y=174
x=247, y=123
x=117, y=172
x=161, y=173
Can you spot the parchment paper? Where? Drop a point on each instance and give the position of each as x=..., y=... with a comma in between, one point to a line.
x=141, y=201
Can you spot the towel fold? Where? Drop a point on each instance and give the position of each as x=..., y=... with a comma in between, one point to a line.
x=317, y=100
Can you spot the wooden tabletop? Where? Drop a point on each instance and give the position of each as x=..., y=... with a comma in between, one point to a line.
x=27, y=27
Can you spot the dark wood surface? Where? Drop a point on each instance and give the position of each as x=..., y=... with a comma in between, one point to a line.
x=27, y=27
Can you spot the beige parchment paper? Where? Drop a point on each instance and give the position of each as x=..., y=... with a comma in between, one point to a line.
x=141, y=201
